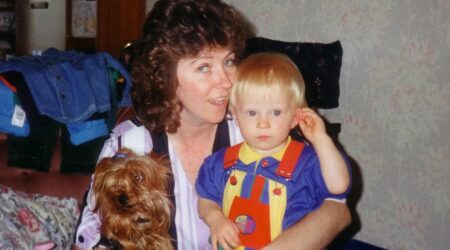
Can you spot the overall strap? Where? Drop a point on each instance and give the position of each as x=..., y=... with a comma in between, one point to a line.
x=287, y=164
x=290, y=158
x=231, y=156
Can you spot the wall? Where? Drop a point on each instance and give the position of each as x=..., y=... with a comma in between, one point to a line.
x=394, y=107
x=40, y=25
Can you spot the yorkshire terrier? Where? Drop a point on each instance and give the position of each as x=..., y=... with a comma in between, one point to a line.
x=132, y=201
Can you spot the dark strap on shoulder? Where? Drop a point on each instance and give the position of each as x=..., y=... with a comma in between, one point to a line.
x=222, y=139
x=161, y=147
x=160, y=143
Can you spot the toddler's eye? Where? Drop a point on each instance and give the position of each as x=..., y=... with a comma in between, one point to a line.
x=277, y=112
x=251, y=113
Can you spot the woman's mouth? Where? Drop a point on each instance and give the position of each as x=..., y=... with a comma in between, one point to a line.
x=219, y=101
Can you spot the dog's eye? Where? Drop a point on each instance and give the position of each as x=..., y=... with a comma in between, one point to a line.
x=138, y=178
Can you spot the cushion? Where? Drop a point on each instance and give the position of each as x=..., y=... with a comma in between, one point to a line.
x=319, y=63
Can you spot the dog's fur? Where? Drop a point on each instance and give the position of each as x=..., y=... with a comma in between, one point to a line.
x=132, y=200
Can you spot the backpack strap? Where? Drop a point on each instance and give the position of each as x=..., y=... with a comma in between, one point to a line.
x=290, y=158
x=231, y=156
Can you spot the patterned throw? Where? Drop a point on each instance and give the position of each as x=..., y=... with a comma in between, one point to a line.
x=35, y=221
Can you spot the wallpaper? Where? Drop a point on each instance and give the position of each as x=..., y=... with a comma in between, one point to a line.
x=394, y=107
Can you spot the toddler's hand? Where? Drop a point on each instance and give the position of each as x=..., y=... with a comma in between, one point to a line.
x=225, y=233
x=312, y=126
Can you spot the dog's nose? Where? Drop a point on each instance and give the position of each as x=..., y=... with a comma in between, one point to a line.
x=123, y=199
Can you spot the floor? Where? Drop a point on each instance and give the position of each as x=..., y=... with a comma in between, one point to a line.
x=52, y=183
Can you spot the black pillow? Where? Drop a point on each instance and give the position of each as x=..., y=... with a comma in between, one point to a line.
x=319, y=63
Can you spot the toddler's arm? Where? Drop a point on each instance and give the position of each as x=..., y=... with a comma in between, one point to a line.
x=332, y=164
x=223, y=231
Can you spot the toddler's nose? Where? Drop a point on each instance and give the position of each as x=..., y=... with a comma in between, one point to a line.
x=263, y=122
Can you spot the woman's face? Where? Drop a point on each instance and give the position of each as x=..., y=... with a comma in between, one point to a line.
x=204, y=84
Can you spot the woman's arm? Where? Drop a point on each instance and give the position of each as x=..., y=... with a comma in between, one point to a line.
x=316, y=230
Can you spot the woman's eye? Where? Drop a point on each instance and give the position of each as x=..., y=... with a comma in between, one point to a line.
x=203, y=68
x=230, y=62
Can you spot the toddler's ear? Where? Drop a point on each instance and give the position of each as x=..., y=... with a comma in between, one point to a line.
x=297, y=118
x=231, y=111
x=232, y=114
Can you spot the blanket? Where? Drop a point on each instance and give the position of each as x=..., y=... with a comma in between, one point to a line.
x=36, y=221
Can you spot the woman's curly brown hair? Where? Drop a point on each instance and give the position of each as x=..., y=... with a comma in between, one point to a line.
x=176, y=29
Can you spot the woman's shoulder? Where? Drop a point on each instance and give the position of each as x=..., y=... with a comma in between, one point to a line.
x=131, y=134
x=128, y=126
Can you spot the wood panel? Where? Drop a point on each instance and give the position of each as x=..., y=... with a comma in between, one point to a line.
x=118, y=22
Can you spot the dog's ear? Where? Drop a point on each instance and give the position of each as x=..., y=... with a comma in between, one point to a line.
x=100, y=169
x=99, y=174
x=159, y=158
x=162, y=160
x=163, y=165
x=103, y=165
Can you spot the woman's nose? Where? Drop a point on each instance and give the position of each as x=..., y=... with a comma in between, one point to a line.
x=225, y=78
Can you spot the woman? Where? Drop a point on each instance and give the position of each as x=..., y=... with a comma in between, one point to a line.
x=182, y=78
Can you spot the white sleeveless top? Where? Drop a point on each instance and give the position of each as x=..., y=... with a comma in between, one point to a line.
x=192, y=232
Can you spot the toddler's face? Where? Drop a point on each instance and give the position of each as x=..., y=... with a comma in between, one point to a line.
x=265, y=119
